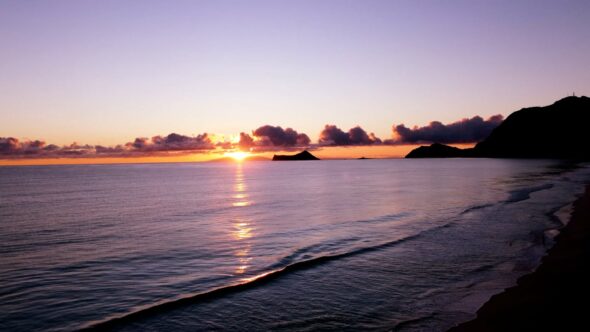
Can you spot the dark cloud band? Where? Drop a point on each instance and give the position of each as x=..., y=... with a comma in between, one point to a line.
x=272, y=138
x=334, y=136
x=11, y=147
x=463, y=131
x=264, y=138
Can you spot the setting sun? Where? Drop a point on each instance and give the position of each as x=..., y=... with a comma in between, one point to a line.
x=237, y=155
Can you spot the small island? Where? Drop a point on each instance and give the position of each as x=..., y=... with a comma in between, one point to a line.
x=304, y=155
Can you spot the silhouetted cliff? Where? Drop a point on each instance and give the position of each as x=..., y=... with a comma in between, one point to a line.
x=560, y=130
x=304, y=155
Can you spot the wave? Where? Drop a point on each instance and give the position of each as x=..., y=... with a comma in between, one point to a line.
x=476, y=207
x=524, y=193
x=515, y=196
x=408, y=322
x=385, y=218
x=308, y=251
x=249, y=283
x=350, y=223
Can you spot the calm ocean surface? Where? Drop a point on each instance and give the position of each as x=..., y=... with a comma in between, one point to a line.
x=344, y=245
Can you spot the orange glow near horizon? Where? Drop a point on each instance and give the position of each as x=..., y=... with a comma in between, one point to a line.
x=238, y=155
x=337, y=152
x=197, y=157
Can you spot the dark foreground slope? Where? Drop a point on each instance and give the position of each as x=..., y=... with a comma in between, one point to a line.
x=560, y=130
x=304, y=155
x=555, y=296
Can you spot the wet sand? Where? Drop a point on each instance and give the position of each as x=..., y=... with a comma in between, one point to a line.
x=555, y=296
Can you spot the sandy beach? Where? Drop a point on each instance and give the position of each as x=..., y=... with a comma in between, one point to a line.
x=554, y=296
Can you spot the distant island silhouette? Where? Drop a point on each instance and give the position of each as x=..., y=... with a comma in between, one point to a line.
x=304, y=155
x=557, y=131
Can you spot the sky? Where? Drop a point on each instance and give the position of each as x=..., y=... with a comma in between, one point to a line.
x=107, y=72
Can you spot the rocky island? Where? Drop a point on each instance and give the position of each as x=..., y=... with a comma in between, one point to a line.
x=304, y=155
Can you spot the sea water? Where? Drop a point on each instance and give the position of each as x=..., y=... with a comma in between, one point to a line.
x=344, y=245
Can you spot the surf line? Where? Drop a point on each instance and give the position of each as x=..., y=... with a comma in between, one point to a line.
x=252, y=282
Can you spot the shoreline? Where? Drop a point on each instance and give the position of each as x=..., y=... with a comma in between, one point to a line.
x=553, y=296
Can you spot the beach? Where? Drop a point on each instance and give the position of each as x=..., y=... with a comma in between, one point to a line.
x=553, y=297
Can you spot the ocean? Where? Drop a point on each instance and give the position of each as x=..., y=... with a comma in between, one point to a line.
x=395, y=244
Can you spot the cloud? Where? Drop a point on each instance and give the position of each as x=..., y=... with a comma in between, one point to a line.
x=246, y=142
x=107, y=150
x=140, y=143
x=11, y=147
x=277, y=137
x=264, y=138
x=463, y=131
x=332, y=135
x=269, y=138
x=172, y=142
x=74, y=150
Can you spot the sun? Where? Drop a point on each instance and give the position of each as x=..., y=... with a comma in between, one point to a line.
x=237, y=155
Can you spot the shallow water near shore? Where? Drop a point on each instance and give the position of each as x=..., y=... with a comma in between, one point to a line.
x=356, y=244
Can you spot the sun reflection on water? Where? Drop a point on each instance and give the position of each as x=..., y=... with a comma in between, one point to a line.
x=243, y=260
x=242, y=229
x=240, y=195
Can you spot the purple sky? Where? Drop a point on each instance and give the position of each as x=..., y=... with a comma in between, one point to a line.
x=104, y=72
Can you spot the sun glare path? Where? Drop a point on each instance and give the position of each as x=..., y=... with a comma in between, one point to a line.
x=237, y=155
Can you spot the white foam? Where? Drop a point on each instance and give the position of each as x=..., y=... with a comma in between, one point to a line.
x=564, y=214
